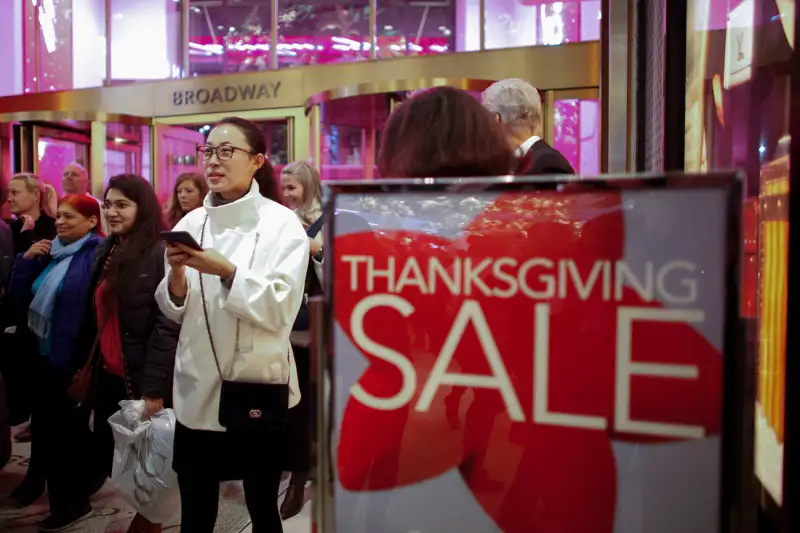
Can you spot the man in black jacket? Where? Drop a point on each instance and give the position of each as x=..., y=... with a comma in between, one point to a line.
x=518, y=108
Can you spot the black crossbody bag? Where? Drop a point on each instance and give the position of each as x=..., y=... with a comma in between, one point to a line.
x=243, y=405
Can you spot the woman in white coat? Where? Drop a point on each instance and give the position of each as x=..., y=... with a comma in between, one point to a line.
x=236, y=298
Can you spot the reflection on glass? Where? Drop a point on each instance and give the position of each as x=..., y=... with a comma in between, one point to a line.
x=513, y=23
x=48, y=33
x=145, y=39
x=65, y=42
x=342, y=153
x=350, y=135
x=228, y=38
x=117, y=162
x=576, y=134
x=126, y=147
x=276, y=133
x=409, y=28
x=89, y=43
x=12, y=42
x=54, y=155
x=177, y=153
x=317, y=32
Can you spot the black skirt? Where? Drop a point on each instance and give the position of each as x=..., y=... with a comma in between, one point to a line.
x=227, y=455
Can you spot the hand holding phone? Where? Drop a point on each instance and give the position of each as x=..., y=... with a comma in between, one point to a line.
x=181, y=237
x=205, y=261
x=176, y=257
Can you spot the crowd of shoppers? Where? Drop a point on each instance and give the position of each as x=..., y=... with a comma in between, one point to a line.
x=218, y=332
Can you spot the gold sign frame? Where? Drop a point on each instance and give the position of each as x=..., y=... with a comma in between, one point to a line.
x=287, y=88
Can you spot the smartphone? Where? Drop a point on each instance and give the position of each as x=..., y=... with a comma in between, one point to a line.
x=180, y=237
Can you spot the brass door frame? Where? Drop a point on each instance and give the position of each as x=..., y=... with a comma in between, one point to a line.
x=398, y=86
x=548, y=106
x=129, y=150
x=40, y=131
x=298, y=130
x=286, y=88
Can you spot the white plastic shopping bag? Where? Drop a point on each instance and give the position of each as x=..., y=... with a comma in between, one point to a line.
x=142, y=469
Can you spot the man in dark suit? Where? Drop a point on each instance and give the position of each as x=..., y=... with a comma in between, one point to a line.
x=518, y=109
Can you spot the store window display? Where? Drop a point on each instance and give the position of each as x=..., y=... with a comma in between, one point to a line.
x=319, y=32
x=64, y=42
x=737, y=116
x=513, y=23
x=145, y=40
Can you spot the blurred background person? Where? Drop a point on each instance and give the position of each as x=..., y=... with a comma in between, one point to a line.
x=517, y=107
x=35, y=216
x=236, y=299
x=49, y=285
x=6, y=261
x=302, y=192
x=6, y=251
x=75, y=180
x=34, y=221
x=188, y=194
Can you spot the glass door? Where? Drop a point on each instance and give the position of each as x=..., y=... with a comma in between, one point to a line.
x=54, y=149
x=125, y=145
x=348, y=132
x=572, y=126
x=177, y=154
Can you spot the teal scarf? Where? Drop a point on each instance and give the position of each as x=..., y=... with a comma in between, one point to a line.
x=40, y=312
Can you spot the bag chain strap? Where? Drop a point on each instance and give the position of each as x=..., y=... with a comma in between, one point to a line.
x=205, y=308
x=205, y=313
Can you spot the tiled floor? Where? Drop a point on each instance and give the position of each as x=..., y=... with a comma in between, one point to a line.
x=112, y=515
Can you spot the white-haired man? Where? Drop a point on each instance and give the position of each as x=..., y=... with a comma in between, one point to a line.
x=518, y=108
x=75, y=180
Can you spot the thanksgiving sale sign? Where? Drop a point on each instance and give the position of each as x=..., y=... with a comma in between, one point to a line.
x=524, y=362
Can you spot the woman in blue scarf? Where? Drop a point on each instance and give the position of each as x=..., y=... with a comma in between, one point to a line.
x=49, y=285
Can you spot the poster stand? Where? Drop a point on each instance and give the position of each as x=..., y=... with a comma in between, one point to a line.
x=338, y=473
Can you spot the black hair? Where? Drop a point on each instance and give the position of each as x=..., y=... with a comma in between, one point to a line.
x=264, y=176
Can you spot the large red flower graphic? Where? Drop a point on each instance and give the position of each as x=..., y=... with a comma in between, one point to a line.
x=527, y=474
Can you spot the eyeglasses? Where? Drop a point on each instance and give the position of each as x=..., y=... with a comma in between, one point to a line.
x=223, y=152
x=117, y=206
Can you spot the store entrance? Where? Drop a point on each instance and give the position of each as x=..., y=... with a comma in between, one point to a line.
x=104, y=149
x=346, y=124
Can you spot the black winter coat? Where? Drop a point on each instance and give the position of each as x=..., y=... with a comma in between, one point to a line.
x=149, y=339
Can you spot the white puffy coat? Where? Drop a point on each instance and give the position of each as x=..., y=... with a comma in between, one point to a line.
x=250, y=323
